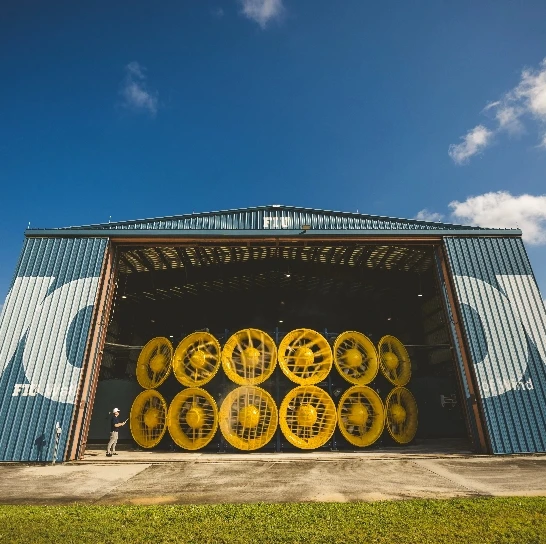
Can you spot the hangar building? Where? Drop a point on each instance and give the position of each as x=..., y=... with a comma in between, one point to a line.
x=455, y=309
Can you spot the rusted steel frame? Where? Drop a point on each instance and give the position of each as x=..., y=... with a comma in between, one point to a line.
x=96, y=346
x=484, y=446
x=87, y=367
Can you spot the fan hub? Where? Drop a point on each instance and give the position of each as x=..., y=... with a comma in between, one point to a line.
x=306, y=415
x=158, y=362
x=251, y=357
x=391, y=360
x=152, y=417
x=198, y=359
x=304, y=356
x=195, y=417
x=397, y=413
x=353, y=358
x=249, y=416
x=358, y=414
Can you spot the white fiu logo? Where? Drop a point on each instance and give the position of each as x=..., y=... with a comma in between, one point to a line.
x=505, y=317
x=271, y=222
x=42, y=320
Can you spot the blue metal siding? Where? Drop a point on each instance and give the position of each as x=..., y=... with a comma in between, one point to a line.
x=277, y=218
x=44, y=328
x=504, y=320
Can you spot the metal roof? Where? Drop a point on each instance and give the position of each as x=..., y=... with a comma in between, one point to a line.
x=273, y=217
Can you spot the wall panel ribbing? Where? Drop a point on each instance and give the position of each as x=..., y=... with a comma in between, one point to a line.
x=44, y=329
x=504, y=319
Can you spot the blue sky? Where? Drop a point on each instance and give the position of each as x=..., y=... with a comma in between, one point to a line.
x=144, y=109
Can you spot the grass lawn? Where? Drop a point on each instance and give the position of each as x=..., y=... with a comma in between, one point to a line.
x=481, y=521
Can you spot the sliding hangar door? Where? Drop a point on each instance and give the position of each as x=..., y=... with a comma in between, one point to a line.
x=273, y=329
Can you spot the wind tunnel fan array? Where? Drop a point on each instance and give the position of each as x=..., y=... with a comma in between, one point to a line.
x=154, y=363
x=249, y=357
x=192, y=418
x=148, y=418
x=305, y=356
x=308, y=417
x=248, y=418
x=196, y=359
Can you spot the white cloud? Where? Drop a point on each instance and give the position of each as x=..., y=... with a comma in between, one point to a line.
x=526, y=100
x=262, y=11
x=509, y=119
x=473, y=142
x=426, y=215
x=134, y=91
x=503, y=210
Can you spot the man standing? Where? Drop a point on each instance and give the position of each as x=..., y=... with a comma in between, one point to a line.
x=115, y=423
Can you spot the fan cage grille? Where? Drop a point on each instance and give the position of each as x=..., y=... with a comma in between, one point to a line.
x=196, y=359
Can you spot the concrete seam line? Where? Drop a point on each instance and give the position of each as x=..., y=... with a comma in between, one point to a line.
x=444, y=474
x=145, y=468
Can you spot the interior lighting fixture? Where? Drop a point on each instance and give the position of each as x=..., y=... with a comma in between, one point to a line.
x=281, y=321
x=123, y=296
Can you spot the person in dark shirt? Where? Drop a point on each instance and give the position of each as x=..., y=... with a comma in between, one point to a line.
x=115, y=424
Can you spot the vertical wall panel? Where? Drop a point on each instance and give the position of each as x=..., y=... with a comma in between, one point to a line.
x=504, y=320
x=44, y=328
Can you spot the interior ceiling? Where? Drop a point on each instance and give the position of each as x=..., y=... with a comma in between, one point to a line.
x=166, y=272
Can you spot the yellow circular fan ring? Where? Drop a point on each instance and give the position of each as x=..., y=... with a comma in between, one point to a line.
x=192, y=418
x=196, y=359
x=394, y=360
x=355, y=357
x=401, y=415
x=249, y=357
x=305, y=356
x=361, y=416
x=248, y=418
x=307, y=417
x=154, y=362
x=148, y=418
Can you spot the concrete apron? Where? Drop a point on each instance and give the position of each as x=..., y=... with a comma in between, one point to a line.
x=237, y=478
x=419, y=449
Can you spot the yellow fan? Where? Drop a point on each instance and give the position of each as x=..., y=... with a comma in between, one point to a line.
x=307, y=417
x=148, y=418
x=248, y=418
x=305, y=356
x=401, y=414
x=192, y=418
x=249, y=357
x=355, y=357
x=196, y=359
x=154, y=362
x=361, y=416
x=394, y=360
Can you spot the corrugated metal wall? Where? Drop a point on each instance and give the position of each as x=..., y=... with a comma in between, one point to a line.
x=275, y=218
x=504, y=320
x=44, y=328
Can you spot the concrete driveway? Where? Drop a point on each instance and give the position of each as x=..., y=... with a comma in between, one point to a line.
x=205, y=479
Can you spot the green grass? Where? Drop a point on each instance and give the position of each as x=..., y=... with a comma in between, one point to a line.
x=467, y=521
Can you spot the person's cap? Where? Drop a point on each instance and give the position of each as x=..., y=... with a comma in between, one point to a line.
x=115, y=410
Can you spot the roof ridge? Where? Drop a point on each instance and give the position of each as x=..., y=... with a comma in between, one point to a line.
x=272, y=207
